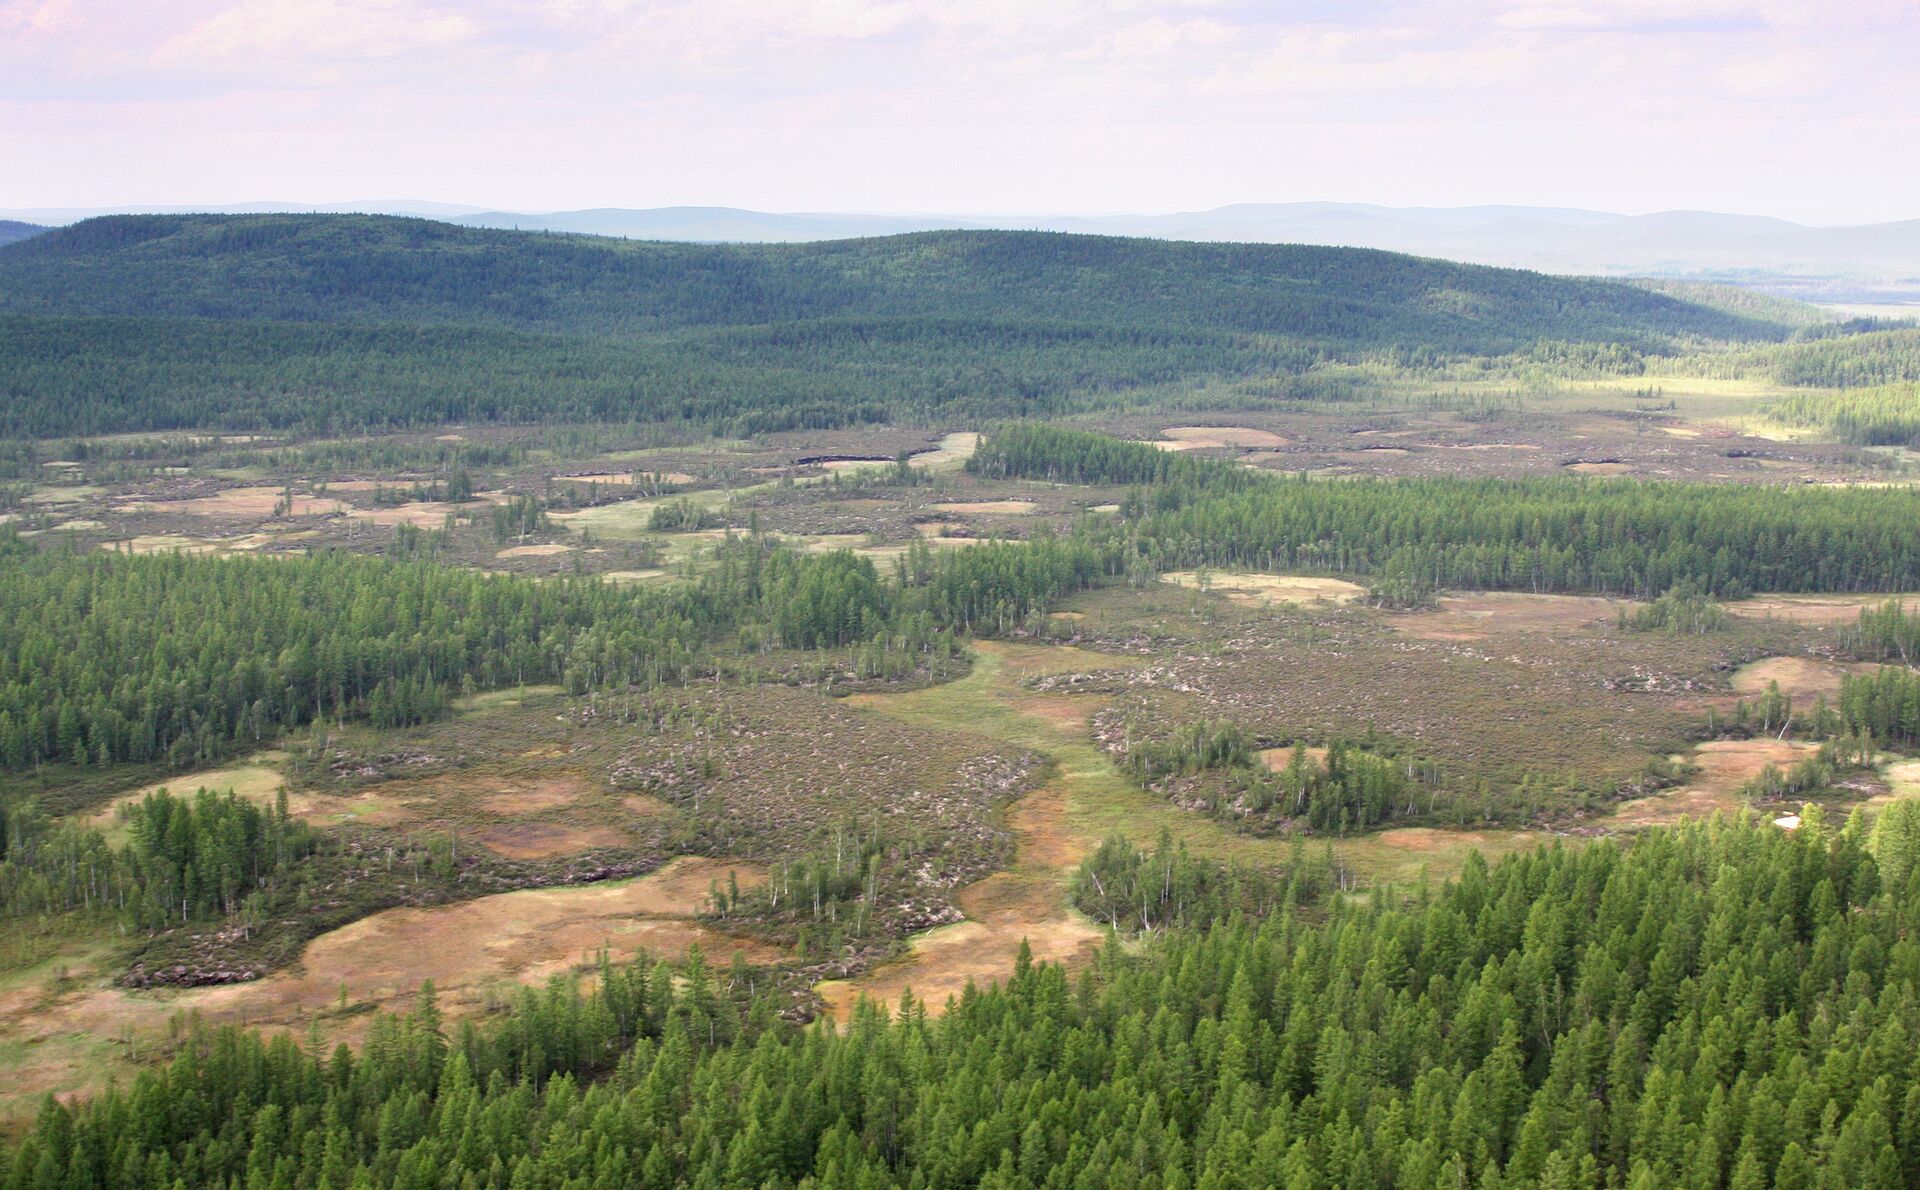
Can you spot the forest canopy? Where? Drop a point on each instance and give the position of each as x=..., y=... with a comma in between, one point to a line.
x=353, y=321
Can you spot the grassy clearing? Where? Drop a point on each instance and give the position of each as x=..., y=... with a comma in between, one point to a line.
x=69, y=1034
x=1213, y=437
x=1479, y=616
x=256, y=779
x=1721, y=768
x=1085, y=800
x=1823, y=610
x=631, y=520
x=1801, y=678
x=1261, y=590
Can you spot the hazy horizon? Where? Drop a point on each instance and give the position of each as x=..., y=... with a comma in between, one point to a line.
x=453, y=208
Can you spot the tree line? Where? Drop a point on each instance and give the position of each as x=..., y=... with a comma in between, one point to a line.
x=1546, y=535
x=109, y=657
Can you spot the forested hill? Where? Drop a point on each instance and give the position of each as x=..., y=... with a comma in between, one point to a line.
x=347, y=322
x=13, y=229
x=378, y=268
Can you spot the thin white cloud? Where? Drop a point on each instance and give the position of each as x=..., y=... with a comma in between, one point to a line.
x=1066, y=104
x=314, y=29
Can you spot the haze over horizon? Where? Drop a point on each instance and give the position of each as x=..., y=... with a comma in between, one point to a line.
x=1761, y=106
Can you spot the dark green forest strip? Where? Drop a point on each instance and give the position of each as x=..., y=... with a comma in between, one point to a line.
x=1547, y=535
x=108, y=658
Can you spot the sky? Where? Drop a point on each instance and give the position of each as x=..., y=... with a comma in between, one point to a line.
x=1803, y=110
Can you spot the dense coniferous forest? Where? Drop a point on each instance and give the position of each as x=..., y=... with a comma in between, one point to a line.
x=1720, y=1005
x=1884, y=416
x=1545, y=535
x=1890, y=632
x=343, y=321
x=108, y=657
x=184, y=858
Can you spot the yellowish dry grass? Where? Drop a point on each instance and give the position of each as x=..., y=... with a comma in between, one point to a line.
x=1265, y=589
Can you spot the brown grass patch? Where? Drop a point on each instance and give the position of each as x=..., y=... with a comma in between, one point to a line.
x=524, y=936
x=1023, y=903
x=1427, y=840
x=257, y=780
x=547, y=840
x=1804, y=678
x=537, y=796
x=468, y=949
x=1475, y=617
x=954, y=449
x=252, y=503
x=1277, y=759
x=1811, y=609
x=1724, y=766
x=1258, y=590
x=547, y=550
x=1601, y=468
x=988, y=507
x=425, y=513
x=1210, y=437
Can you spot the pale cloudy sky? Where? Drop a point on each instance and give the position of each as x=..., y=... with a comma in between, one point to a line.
x=1800, y=109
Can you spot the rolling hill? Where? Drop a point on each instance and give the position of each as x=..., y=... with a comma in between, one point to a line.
x=139, y=322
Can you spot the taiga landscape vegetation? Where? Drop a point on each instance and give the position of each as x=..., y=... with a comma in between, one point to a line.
x=674, y=695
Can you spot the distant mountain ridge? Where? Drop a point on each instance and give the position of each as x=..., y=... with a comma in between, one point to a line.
x=384, y=268
x=1547, y=239
x=260, y=321
x=14, y=229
